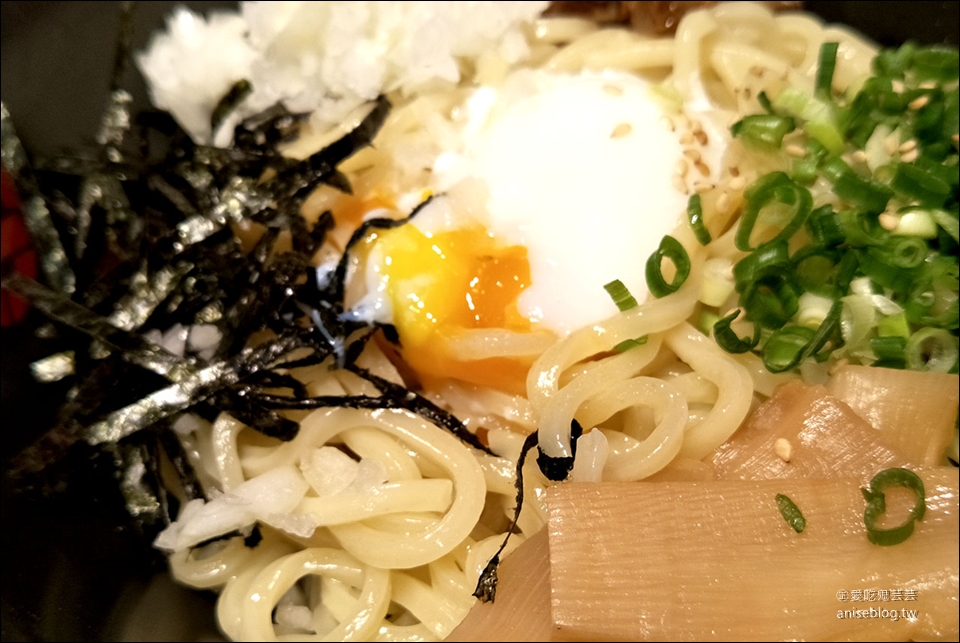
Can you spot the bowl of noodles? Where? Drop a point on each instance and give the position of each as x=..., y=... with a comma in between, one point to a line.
x=343, y=305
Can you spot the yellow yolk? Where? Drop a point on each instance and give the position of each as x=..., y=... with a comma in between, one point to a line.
x=446, y=283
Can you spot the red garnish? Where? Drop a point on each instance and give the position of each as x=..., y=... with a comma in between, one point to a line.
x=16, y=252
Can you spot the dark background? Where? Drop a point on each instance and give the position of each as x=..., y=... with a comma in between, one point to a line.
x=69, y=571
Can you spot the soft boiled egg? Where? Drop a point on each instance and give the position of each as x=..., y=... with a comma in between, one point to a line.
x=562, y=183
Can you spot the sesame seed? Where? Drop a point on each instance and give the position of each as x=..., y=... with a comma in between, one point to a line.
x=910, y=156
x=889, y=221
x=683, y=122
x=927, y=84
x=692, y=154
x=701, y=137
x=723, y=203
x=795, y=150
x=613, y=90
x=859, y=156
x=898, y=86
x=737, y=183
x=919, y=102
x=695, y=126
x=702, y=186
x=667, y=123
x=891, y=143
x=783, y=449
x=679, y=184
x=909, y=145
x=621, y=130
x=702, y=168
x=681, y=168
x=686, y=139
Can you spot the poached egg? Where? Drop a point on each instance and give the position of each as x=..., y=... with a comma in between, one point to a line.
x=560, y=184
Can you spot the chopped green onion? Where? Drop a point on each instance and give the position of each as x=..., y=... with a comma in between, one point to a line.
x=770, y=258
x=764, y=101
x=867, y=194
x=695, y=214
x=936, y=63
x=894, y=326
x=932, y=349
x=820, y=121
x=728, y=340
x=889, y=348
x=763, y=129
x=620, y=295
x=824, y=226
x=785, y=348
x=627, y=344
x=778, y=198
x=673, y=250
x=825, y=67
x=791, y=513
x=816, y=269
x=771, y=300
x=915, y=222
x=948, y=222
x=923, y=185
x=877, y=505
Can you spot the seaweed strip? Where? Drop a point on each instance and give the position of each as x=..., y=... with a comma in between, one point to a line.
x=380, y=223
x=486, y=589
x=229, y=103
x=181, y=464
x=415, y=403
x=194, y=388
x=135, y=349
x=318, y=167
x=53, y=258
x=239, y=404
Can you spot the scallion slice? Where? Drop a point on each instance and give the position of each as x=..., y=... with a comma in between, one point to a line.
x=729, y=341
x=620, y=295
x=826, y=64
x=877, y=505
x=784, y=349
x=791, y=513
x=627, y=344
x=695, y=215
x=763, y=129
x=779, y=202
x=932, y=349
x=673, y=250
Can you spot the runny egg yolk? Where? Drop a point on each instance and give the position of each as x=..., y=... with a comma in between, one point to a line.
x=446, y=283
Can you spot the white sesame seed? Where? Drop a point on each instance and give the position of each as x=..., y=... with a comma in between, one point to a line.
x=898, y=86
x=696, y=126
x=621, y=130
x=723, y=203
x=692, y=154
x=702, y=168
x=889, y=221
x=701, y=137
x=859, y=156
x=910, y=156
x=686, y=138
x=667, y=123
x=927, y=84
x=679, y=184
x=702, y=186
x=737, y=183
x=891, y=143
x=681, y=168
x=783, y=449
x=795, y=150
x=909, y=145
x=919, y=102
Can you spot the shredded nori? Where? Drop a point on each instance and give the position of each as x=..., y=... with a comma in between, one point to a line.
x=136, y=241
